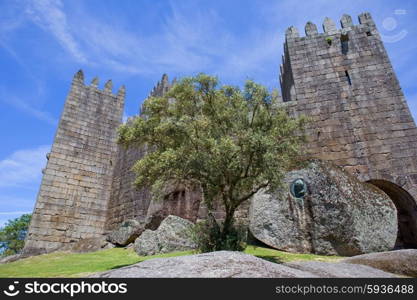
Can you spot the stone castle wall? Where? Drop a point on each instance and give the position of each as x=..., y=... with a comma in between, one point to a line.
x=341, y=78
x=127, y=201
x=360, y=119
x=344, y=81
x=75, y=190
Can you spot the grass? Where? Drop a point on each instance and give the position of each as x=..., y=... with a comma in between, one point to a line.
x=64, y=264
x=283, y=257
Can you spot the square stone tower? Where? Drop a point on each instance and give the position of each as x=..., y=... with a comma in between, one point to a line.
x=74, y=194
x=344, y=81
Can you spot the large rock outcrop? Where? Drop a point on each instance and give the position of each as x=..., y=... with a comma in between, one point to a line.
x=227, y=264
x=338, y=270
x=88, y=245
x=10, y=258
x=322, y=209
x=174, y=234
x=403, y=262
x=221, y=264
x=127, y=232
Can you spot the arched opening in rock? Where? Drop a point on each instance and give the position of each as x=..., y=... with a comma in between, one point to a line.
x=407, y=213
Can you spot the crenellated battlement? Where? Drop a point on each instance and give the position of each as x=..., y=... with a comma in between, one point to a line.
x=330, y=28
x=344, y=48
x=162, y=86
x=160, y=89
x=78, y=81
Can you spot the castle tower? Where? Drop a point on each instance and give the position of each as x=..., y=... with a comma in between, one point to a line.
x=129, y=202
x=343, y=79
x=162, y=87
x=75, y=190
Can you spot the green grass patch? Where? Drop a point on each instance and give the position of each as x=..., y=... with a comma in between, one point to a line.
x=65, y=264
x=277, y=256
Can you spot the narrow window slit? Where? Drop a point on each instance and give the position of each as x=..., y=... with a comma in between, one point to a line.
x=348, y=77
x=344, y=39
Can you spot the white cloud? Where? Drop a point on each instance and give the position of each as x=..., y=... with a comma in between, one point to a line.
x=49, y=15
x=24, y=106
x=190, y=40
x=40, y=115
x=179, y=46
x=23, y=167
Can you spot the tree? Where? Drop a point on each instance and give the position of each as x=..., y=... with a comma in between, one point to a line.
x=13, y=234
x=229, y=141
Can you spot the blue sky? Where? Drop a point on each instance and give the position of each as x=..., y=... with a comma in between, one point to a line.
x=43, y=43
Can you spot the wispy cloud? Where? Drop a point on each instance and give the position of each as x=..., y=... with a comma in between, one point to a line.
x=188, y=40
x=186, y=37
x=49, y=15
x=23, y=167
x=24, y=106
x=180, y=45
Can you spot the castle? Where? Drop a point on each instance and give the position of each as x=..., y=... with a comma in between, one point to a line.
x=341, y=78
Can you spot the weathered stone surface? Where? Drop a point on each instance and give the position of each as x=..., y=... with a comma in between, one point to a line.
x=127, y=233
x=221, y=264
x=338, y=214
x=179, y=200
x=403, y=262
x=226, y=264
x=128, y=202
x=147, y=243
x=329, y=26
x=88, y=245
x=31, y=251
x=338, y=270
x=73, y=198
x=10, y=258
x=174, y=234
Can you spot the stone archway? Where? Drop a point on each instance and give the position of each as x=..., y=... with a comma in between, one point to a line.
x=407, y=213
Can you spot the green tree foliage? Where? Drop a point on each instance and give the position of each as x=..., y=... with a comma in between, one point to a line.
x=231, y=142
x=13, y=234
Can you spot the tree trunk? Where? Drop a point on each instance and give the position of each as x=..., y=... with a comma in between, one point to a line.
x=228, y=222
x=210, y=216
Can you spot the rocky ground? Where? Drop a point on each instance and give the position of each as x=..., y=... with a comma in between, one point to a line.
x=402, y=262
x=229, y=264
